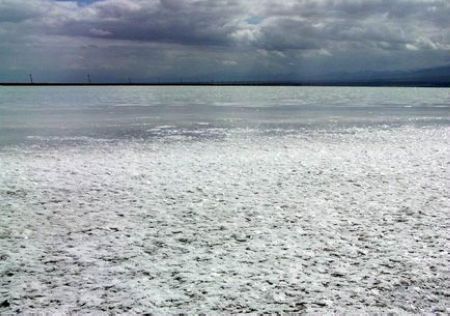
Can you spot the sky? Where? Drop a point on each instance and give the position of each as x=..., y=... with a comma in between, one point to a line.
x=149, y=40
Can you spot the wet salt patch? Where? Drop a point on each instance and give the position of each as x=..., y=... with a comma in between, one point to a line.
x=67, y=138
x=311, y=222
x=165, y=127
x=137, y=105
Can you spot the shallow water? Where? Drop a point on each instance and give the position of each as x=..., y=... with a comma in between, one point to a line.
x=31, y=114
x=229, y=199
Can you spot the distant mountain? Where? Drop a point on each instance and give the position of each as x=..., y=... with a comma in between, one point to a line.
x=431, y=74
x=437, y=76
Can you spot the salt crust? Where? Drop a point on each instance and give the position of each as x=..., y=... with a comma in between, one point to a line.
x=339, y=222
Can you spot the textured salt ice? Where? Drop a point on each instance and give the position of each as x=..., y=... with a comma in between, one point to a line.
x=354, y=220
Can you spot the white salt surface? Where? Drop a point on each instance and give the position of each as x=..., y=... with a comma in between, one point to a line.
x=350, y=221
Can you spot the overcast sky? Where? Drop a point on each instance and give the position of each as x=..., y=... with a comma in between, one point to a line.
x=218, y=39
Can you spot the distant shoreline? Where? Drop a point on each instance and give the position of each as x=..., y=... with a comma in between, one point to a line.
x=245, y=83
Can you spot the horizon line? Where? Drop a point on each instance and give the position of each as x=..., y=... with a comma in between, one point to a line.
x=368, y=83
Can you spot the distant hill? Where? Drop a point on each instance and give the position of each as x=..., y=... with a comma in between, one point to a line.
x=437, y=76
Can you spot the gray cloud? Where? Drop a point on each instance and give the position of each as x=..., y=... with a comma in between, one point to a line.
x=292, y=25
x=165, y=37
x=15, y=11
x=345, y=24
x=167, y=21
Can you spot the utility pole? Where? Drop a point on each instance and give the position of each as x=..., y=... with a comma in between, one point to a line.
x=31, y=79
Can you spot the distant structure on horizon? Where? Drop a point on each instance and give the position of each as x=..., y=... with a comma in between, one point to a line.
x=428, y=77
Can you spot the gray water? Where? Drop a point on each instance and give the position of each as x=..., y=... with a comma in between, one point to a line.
x=31, y=114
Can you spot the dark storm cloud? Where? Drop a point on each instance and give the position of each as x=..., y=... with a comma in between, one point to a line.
x=166, y=37
x=168, y=21
x=319, y=24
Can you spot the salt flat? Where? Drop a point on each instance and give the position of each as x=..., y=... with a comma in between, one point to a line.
x=353, y=219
